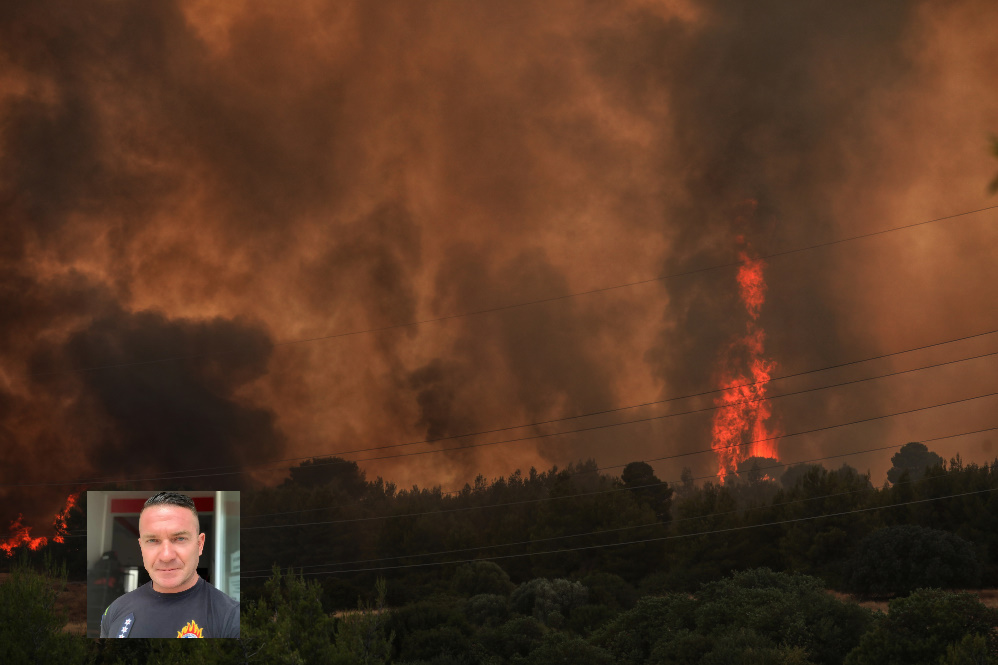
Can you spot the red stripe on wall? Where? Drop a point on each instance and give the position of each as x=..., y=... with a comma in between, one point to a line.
x=204, y=504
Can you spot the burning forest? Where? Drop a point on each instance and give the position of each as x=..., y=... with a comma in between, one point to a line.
x=741, y=425
x=514, y=320
x=236, y=236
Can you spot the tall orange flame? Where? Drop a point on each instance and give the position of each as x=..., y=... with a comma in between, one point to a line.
x=60, y=519
x=739, y=428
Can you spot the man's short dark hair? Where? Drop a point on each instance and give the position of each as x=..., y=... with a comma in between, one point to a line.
x=173, y=499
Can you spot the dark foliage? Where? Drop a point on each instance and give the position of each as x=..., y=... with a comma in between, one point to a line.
x=913, y=458
x=923, y=626
x=896, y=560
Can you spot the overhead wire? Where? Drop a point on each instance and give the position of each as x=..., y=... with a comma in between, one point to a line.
x=682, y=413
x=538, y=301
x=671, y=482
x=645, y=540
x=672, y=521
x=597, y=413
x=246, y=468
x=677, y=455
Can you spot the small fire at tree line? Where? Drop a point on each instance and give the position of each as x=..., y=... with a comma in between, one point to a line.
x=20, y=535
x=741, y=427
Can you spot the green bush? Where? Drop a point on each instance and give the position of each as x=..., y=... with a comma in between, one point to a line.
x=443, y=644
x=480, y=577
x=921, y=628
x=287, y=624
x=610, y=590
x=487, y=609
x=789, y=610
x=971, y=650
x=584, y=619
x=559, y=648
x=767, y=616
x=30, y=626
x=550, y=601
x=896, y=560
x=514, y=639
x=743, y=646
x=631, y=635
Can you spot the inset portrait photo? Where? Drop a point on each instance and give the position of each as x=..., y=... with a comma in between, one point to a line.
x=163, y=564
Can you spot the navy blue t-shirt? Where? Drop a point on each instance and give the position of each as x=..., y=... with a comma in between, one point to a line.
x=201, y=611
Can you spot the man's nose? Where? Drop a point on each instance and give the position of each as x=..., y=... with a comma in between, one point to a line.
x=166, y=552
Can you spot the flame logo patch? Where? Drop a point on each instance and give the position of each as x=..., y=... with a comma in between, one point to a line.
x=191, y=629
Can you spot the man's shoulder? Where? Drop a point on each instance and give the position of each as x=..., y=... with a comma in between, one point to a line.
x=224, y=611
x=218, y=596
x=130, y=599
x=133, y=596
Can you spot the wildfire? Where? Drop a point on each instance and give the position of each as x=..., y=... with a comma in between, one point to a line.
x=739, y=428
x=21, y=534
x=21, y=537
x=60, y=519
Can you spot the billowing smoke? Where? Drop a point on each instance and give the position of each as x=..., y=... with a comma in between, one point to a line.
x=272, y=196
x=183, y=413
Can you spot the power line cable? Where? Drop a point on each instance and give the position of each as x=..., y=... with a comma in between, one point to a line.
x=705, y=450
x=671, y=522
x=616, y=409
x=672, y=483
x=592, y=428
x=72, y=534
x=516, y=305
x=683, y=413
x=819, y=429
x=642, y=420
x=647, y=540
x=242, y=469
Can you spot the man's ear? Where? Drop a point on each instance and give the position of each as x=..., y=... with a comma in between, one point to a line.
x=200, y=543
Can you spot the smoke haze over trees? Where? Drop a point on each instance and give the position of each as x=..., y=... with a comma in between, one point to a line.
x=583, y=568
x=208, y=185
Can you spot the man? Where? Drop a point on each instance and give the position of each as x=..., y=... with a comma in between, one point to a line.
x=176, y=602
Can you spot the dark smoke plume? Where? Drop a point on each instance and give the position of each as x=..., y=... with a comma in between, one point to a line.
x=183, y=178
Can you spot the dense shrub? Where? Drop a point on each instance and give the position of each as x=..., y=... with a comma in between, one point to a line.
x=550, y=601
x=610, y=590
x=487, y=609
x=896, y=560
x=514, y=639
x=791, y=610
x=288, y=624
x=765, y=616
x=922, y=627
x=631, y=635
x=558, y=649
x=480, y=577
x=584, y=619
x=30, y=626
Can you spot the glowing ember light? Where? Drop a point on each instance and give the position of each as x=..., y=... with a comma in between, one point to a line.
x=740, y=428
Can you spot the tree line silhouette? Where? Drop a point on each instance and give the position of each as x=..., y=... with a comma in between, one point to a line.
x=578, y=565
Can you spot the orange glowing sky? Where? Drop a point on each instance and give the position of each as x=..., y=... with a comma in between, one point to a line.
x=213, y=182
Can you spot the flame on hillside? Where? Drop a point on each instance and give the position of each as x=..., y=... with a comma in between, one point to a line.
x=20, y=535
x=740, y=428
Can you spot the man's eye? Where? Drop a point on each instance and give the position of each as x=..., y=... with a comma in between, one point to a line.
x=152, y=541
x=181, y=538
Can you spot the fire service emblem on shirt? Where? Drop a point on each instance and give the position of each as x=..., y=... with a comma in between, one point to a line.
x=190, y=630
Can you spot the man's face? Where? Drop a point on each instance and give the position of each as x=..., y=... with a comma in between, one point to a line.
x=171, y=546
